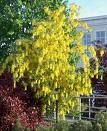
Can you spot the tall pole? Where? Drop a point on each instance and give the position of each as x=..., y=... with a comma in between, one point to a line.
x=57, y=115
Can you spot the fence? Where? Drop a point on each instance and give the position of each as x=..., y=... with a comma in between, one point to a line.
x=94, y=104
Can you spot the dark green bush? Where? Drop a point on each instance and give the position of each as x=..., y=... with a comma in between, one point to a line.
x=44, y=128
x=97, y=127
x=67, y=126
x=101, y=119
x=60, y=126
x=81, y=126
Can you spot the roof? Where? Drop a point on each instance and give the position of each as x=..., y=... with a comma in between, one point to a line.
x=94, y=18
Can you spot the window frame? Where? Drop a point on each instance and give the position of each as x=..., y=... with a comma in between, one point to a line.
x=101, y=37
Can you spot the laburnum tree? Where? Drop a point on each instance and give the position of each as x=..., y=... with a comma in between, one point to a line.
x=46, y=62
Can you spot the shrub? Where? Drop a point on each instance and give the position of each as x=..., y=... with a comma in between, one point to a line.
x=97, y=127
x=45, y=128
x=18, y=127
x=81, y=126
x=67, y=126
x=60, y=126
x=16, y=103
x=101, y=119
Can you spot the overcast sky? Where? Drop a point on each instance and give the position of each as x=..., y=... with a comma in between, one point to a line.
x=91, y=7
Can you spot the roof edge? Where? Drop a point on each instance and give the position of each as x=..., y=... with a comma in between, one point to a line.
x=94, y=18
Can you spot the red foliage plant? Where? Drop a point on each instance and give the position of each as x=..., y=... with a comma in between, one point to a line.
x=101, y=84
x=18, y=104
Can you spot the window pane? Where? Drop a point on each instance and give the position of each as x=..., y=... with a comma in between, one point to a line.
x=103, y=40
x=84, y=41
x=97, y=38
x=88, y=42
x=87, y=39
x=98, y=34
x=102, y=33
x=84, y=37
x=88, y=36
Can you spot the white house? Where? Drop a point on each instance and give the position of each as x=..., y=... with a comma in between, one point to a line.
x=98, y=34
x=98, y=25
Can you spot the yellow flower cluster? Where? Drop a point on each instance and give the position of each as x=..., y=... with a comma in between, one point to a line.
x=45, y=59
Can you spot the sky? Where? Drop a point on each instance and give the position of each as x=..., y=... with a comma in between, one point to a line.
x=91, y=8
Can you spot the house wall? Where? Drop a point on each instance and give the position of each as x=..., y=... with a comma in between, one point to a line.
x=98, y=23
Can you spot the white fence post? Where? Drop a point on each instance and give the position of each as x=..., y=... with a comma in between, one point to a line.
x=79, y=108
x=89, y=108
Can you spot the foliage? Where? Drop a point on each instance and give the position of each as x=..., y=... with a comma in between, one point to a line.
x=18, y=127
x=78, y=125
x=68, y=126
x=81, y=126
x=16, y=20
x=45, y=128
x=84, y=107
x=100, y=82
x=97, y=127
x=18, y=104
x=101, y=119
x=46, y=69
x=60, y=126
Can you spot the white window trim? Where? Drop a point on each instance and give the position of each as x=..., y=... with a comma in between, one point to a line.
x=100, y=31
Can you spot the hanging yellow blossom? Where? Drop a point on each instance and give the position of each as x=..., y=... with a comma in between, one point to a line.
x=45, y=59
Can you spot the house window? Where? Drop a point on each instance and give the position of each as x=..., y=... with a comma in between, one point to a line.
x=100, y=36
x=87, y=39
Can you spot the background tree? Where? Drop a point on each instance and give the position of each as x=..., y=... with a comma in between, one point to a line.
x=46, y=69
x=16, y=20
